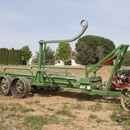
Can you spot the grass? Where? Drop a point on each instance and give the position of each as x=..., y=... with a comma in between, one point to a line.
x=36, y=102
x=13, y=115
x=38, y=121
x=29, y=102
x=113, y=116
x=100, y=120
x=50, y=109
x=92, y=116
x=3, y=107
x=78, y=106
x=18, y=107
x=15, y=112
x=65, y=112
x=25, y=109
x=43, y=106
x=34, y=122
x=95, y=108
x=116, y=109
x=15, y=106
x=125, y=119
x=95, y=117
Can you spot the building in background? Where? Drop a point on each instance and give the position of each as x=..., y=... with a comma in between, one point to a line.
x=72, y=62
x=72, y=59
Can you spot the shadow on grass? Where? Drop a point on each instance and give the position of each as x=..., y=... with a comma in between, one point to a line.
x=77, y=94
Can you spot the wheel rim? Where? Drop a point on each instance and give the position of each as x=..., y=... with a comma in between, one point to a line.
x=5, y=83
x=125, y=99
x=18, y=88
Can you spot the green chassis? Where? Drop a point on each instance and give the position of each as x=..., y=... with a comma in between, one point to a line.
x=62, y=77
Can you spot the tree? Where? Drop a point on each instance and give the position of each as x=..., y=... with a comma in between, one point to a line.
x=18, y=57
x=96, y=43
x=10, y=56
x=50, y=57
x=3, y=56
x=85, y=54
x=126, y=61
x=14, y=57
x=63, y=52
x=26, y=54
x=100, y=52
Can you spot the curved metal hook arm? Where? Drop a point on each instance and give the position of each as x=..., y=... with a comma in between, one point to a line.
x=82, y=31
x=72, y=39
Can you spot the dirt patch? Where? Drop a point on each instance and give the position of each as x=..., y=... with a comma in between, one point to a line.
x=66, y=109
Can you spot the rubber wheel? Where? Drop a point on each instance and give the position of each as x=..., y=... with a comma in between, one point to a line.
x=5, y=85
x=20, y=87
x=125, y=99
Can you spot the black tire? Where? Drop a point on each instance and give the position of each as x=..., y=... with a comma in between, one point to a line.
x=5, y=85
x=20, y=87
x=125, y=99
x=28, y=86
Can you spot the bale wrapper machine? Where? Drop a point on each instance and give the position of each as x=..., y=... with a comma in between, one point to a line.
x=51, y=78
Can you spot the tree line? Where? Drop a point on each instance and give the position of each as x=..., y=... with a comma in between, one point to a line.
x=89, y=50
x=10, y=56
x=14, y=56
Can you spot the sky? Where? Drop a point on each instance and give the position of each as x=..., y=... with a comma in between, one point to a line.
x=26, y=22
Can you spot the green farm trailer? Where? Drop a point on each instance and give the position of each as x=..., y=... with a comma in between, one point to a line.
x=19, y=83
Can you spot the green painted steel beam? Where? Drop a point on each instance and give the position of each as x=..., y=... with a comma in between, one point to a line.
x=65, y=67
x=106, y=57
x=52, y=41
x=116, y=66
x=101, y=92
x=40, y=56
x=44, y=56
